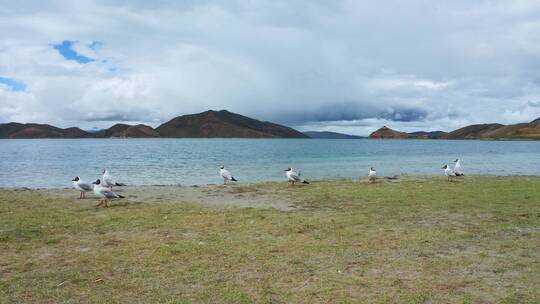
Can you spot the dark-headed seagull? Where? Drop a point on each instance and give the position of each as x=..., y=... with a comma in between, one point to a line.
x=372, y=175
x=82, y=186
x=294, y=177
x=104, y=193
x=108, y=180
x=448, y=172
x=457, y=168
x=227, y=176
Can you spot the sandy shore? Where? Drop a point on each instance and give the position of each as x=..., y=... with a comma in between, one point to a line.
x=261, y=195
x=257, y=195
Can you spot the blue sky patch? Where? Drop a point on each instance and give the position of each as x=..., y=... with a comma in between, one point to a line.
x=66, y=49
x=13, y=84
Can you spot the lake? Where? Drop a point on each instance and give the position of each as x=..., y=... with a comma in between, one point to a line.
x=38, y=163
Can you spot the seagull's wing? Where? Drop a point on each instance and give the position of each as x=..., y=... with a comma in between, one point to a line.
x=226, y=174
x=85, y=186
x=457, y=168
x=107, y=179
x=107, y=193
x=294, y=176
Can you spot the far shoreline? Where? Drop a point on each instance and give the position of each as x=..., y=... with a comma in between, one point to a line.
x=278, y=138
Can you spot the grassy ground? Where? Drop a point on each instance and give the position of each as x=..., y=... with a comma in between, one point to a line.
x=417, y=241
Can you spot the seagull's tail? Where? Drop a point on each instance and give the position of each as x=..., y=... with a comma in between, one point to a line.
x=460, y=174
x=305, y=182
x=233, y=179
x=119, y=184
x=121, y=196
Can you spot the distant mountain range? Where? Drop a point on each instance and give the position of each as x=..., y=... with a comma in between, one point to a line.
x=330, y=135
x=529, y=130
x=206, y=124
x=214, y=124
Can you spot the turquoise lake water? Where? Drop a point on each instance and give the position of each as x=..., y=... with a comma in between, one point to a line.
x=39, y=163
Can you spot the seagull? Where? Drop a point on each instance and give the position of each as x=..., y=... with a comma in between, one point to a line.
x=294, y=177
x=82, y=186
x=372, y=175
x=227, y=176
x=448, y=172
x=104, y=193
x=108, y=180
x=457, y=168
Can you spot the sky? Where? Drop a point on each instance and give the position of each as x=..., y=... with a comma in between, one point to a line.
x=343, y=66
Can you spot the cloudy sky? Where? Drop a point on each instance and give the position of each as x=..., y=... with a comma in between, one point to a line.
x=346, y=66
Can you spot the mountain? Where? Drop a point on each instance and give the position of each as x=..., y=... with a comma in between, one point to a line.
x=31, y=130
x=330, y=135
x=497, y=131
x=224, y=124
x=529, y=130
x=386, y=132
x=123, y=130
x=227, y=124
x=206, y=124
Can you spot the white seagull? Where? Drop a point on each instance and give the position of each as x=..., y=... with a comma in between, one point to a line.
x=108, y=180
x=227, y=176
x=294, y=177
x=457, y=168
x=104, y=193
x=82, y=186
x=448, y=172
x=372, y=175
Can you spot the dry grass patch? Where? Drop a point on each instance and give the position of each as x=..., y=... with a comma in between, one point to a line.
x=422, y=240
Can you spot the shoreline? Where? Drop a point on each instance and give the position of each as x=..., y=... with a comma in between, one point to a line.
x=278, y=138
x=269, y=194
x=360, y=179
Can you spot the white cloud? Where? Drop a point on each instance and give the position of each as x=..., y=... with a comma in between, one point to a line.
x=422, y=64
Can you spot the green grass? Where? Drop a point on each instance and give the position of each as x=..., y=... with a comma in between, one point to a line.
x=418, y=241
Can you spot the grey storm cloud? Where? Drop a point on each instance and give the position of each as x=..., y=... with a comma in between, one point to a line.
x=534, y=104
x=346, y=66
x=352, y=111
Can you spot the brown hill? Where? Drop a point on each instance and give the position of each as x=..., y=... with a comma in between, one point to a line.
x=497, y=131
x=31, y=130
x=388, y=133
x=224, y=124
x=481, y=131
x=123, y=130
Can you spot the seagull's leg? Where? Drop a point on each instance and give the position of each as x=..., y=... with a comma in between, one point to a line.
x=106, y=206
x=80, y=195
x=84, y=195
